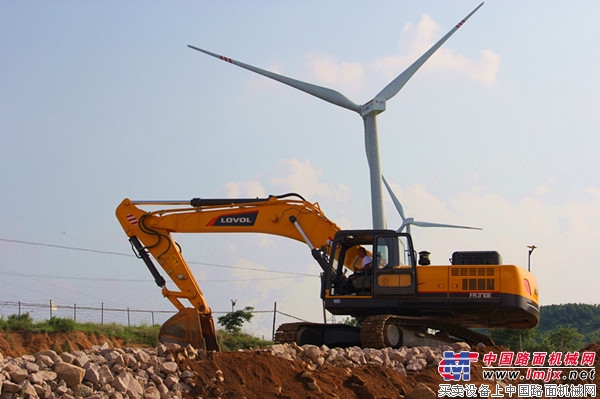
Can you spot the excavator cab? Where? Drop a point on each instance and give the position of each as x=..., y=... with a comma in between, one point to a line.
x=393, y=268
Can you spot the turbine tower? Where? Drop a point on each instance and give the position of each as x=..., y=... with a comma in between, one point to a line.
x=367, y=111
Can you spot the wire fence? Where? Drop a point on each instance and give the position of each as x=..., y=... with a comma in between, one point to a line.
x=106, y=315
x=85, y=314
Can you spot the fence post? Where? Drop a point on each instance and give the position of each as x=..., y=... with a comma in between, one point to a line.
x=75, y=312
x=102, y=314
x=128, y=321
x=274, y=317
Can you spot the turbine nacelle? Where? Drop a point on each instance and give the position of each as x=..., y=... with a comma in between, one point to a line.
x=375, y=106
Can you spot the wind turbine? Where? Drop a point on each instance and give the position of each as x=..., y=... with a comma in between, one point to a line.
x=367, y=111
x=407, y=222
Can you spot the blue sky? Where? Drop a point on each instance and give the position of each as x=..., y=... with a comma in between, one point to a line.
x=103, y=100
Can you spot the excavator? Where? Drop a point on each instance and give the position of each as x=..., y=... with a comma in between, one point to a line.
x=401, y=300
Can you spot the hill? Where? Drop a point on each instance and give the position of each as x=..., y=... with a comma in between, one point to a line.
x=585, y=318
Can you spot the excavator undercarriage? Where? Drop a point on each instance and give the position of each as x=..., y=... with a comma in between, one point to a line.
x=380, y=332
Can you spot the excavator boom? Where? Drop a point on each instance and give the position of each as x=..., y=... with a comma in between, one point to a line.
x=150, y=235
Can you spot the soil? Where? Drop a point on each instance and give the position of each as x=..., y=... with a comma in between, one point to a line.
x=257, y=374
x=15, y=344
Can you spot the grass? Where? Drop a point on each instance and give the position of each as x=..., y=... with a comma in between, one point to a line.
x=133, y=335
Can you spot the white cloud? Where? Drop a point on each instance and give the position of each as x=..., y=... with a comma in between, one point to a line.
x=545, y=187
x=266, y=242
x=251, y=188
x=301, y=177
x=232, y=248
x=418, y=39
x=594, y=192
x=486, y=68
x=328, y=71
x=421, y=38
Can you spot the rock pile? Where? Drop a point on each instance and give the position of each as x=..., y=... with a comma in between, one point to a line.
x=136, y=373
x=402, y=359
x=99, y=373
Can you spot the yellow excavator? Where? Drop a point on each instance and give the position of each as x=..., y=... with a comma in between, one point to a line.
x=399, y=300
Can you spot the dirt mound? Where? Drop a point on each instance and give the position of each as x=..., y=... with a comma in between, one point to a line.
x=261, y=375
x=15, y=344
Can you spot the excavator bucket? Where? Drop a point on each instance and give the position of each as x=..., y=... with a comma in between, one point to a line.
x=188, y=327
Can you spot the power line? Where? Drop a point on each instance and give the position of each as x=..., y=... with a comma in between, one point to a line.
x=65, y=247
x=131, y=256
x=121, y=280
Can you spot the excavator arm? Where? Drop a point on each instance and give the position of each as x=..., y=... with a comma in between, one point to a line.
x=150, y=235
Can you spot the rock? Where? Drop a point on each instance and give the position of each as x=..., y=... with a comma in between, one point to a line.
x=49, y=353
x=81, y=358
x=169, y=368
x=18, y=376
x=44, y=361
x=125, y=383
x=152, y=393
x=460, y=346
x=12, y=387
x=311, y=352
x=82, y=390
x=67, y=357
x=69, y=373
x=142, y=356
x=31, y=367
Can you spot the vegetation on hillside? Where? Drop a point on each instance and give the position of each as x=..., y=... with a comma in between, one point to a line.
x=562, y=328
x=134, y=335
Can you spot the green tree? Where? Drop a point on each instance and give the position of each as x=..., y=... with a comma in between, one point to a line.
x=232, y=322
x=515, y=339
x=565, y=339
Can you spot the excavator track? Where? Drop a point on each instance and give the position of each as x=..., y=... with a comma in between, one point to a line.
x=333, y=335
x=389, y=330
x=379, y=332
x=286, y=333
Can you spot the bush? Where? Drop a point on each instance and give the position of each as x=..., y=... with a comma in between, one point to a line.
x=18, y=322
x=60, y=324
x=236, y=341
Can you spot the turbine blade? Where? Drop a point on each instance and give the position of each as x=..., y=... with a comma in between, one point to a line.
x=323, y=93
x=403, y=226
x=394, y=86
x=395, y=200
x=430, y=224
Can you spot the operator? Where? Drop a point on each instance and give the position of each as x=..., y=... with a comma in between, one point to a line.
x=366, y=263
x=356, y=281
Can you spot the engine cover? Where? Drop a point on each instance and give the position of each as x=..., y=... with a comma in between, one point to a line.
x=476, y=258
